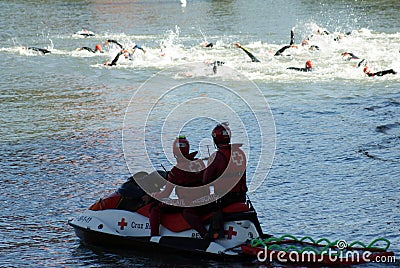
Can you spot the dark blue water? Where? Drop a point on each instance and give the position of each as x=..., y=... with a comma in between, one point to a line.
x=337, y=164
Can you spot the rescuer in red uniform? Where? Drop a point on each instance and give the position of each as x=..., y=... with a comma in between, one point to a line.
x=226, y=170
x=187, y=172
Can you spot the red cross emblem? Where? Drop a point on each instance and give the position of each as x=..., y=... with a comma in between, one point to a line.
x=195, y=166
x=230, y=232
x=237, y=158
x=122, y=223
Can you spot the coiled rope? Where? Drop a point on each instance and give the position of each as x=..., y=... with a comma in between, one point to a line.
x=273, y=243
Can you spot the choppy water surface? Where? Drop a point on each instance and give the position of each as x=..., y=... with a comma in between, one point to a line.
x=337, y=164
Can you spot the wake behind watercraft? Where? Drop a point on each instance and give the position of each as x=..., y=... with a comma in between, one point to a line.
x=121, y=220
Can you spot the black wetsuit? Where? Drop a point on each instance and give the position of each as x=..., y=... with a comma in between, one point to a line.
x=363, y=62
x=282, y=49
x=291, y=37
x=209, y=45
x=86, y=34
x=300, y=69
x=314, y=47
x=218, y=63
x=382, y=73
x=114, y=61
x=42, y=50
x=89, y=49
x=252, y=57
x=352, y=56
x=215, y=64
x=115, y=42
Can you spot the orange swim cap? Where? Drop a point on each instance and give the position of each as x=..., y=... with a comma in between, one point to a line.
x=309, y=64
x=98, y=47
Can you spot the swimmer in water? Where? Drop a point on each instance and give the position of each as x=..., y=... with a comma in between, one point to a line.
x=96, y=49
x=306, y=42
x=128, y=53
x=341, y=36
x=114, y=61
x=282, y=49
x=319, y=31
x=41, y=50
x=252, y=57
x=135, y=47
x=349, y=56
x=368, y=72
x=215, y=64
x=308, y=67
x=207, y=44
x=322, y=32
x=108, y=41
x=85, y=33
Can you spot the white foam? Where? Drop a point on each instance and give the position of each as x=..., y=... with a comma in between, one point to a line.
x=172, y=49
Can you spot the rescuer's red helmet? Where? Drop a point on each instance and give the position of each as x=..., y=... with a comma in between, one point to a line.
x=221, y=134
x=180, y=147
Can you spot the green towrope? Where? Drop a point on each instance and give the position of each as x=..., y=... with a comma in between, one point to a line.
x=273, y=243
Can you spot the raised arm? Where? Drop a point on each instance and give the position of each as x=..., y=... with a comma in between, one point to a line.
x=252, y=57
x=114, y=42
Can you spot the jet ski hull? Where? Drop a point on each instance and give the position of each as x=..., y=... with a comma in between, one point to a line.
x=131, y=231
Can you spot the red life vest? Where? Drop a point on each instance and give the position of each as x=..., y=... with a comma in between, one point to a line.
x=189, y=174
x=234, y=177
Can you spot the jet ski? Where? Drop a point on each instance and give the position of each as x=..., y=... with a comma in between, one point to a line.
x=121, y=220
